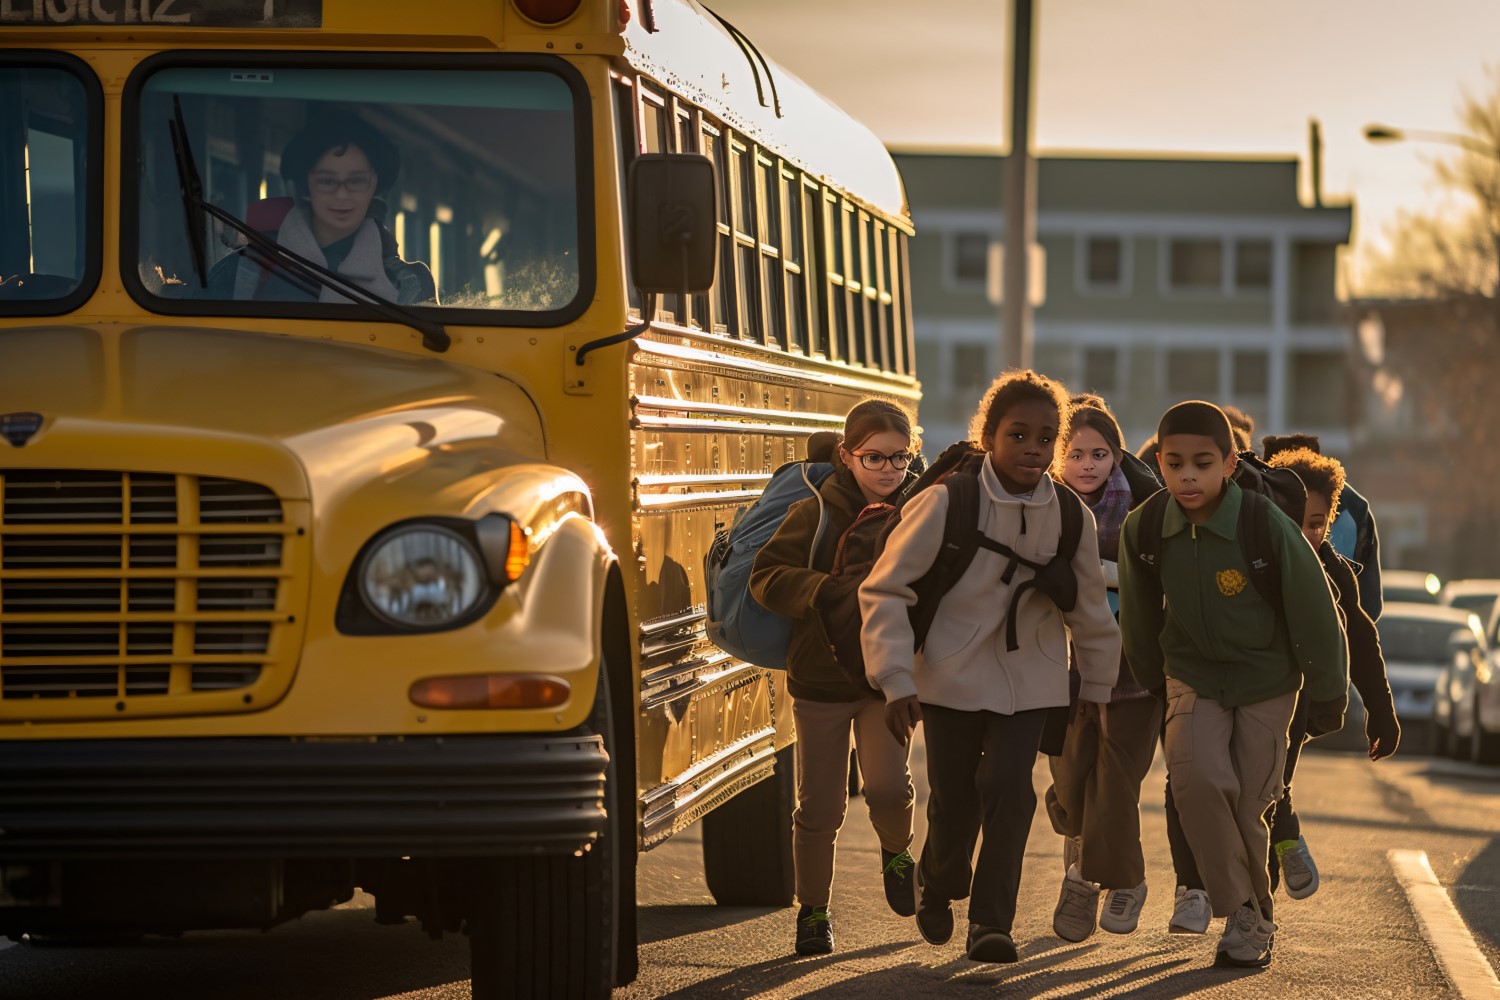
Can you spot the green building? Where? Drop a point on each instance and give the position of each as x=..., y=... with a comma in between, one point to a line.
x=1164, y=280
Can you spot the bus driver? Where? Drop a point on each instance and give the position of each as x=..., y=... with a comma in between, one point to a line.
x=335, y=166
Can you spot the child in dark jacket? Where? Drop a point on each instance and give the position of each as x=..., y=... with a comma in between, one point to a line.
x=787, y=577
x=1231, y=665
x=1094, y=801
x=1324, y=479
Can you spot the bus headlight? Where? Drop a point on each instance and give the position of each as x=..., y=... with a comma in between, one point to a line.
x=423, y=576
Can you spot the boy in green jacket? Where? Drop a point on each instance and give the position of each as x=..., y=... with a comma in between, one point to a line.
x=1228, y=664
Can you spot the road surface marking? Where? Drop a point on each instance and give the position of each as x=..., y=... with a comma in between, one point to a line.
x=1457, y=954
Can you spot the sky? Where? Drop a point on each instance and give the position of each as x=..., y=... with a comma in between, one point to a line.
x=1190, y=77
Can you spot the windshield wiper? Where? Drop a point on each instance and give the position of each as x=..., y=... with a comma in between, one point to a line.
x=195, y=207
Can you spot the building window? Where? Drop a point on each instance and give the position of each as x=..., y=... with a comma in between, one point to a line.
x=971, y=377
x=1193, y=373
x=1318, y=389
x=1101, y=370
x=1251, y=373
x=1252, y=265
x=1104, y=263
x=1196, y=265
x=971, y=258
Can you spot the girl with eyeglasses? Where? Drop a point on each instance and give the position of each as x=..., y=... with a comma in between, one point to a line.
x=789, y=571
x=338, y=166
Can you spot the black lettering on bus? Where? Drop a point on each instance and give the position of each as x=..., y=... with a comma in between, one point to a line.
x=62, y=10
x=8, y=10
x=103, y=15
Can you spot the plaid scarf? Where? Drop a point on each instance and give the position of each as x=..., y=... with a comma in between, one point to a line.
x=1109, y=506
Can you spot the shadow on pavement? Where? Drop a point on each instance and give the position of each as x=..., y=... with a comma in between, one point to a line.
x=658, y=923
x=766, y=977
x=1477, y=896
x=331, y=955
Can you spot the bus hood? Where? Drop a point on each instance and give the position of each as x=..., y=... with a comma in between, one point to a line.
x=309, y=419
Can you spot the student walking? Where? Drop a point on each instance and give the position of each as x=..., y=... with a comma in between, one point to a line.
x=1324, y=478
x=1230, y=663
x=995, y=662
x=788, y=575
x=1094, y=801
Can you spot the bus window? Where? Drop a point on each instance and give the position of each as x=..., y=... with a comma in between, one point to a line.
x=742, y=183
x=723, y=293
x=626, y=141
x=771, y=277
x=47, y=121
x=792, y=258
x=488, y=157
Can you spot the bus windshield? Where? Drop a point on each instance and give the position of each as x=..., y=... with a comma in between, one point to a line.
x=44, y=160
x=441, y=188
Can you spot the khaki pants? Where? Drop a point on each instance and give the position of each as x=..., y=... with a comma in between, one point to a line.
x=1226, y=769
x=1096, y=788
x=823, y=731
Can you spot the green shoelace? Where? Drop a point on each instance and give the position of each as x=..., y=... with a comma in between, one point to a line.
x=899, y=864
x=817, y=916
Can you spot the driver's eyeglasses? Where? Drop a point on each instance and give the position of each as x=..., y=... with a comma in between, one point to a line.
x=354, y=183
x=873, y=460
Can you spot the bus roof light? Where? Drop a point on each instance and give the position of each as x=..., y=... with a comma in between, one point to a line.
x=547, y=13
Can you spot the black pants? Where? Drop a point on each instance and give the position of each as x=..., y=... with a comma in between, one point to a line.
x=979, y=771
x=1281, y=816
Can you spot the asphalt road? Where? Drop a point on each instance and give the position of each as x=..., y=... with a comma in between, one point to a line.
x=1356, y=938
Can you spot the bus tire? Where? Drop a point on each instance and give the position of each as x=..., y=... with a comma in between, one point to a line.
x=547, y=926
x=747, y=842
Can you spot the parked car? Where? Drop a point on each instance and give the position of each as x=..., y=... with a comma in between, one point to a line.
x=1421, y=642
x=1477, y=596
x=1467, y=713
x=1409, y=586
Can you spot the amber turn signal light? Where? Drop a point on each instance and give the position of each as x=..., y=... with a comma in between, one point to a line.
x=490, y=691
x=547, y=12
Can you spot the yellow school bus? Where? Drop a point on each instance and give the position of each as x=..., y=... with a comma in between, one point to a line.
x=353, y=493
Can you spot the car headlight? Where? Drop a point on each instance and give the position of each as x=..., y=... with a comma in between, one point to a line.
x=423, y=576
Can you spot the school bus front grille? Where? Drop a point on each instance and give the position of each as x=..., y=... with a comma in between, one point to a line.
x=129, y=593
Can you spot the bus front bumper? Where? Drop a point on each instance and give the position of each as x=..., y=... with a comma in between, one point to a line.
x=469, y=796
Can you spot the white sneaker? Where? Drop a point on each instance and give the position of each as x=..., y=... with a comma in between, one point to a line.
x=1077, y=912
x=1298, y=872
x=1191, y=912
x=1246, y=942
x=1122, y=909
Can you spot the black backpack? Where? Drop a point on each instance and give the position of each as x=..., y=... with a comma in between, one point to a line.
x=1261, y=485
x=957, y=468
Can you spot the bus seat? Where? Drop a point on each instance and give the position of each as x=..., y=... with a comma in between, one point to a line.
x=266, y=215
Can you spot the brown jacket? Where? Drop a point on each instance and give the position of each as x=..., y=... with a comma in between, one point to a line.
x=782, y=582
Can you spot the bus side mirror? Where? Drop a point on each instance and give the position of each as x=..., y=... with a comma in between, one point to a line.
x=674, y=215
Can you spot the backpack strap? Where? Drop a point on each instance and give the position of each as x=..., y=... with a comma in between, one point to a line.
x=955, y=556
x=1042, y=578
x=1254, y=529
x=812, y=552
x=1149, y=534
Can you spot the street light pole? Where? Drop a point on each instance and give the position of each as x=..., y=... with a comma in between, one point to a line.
x=1020, y=198
x=1389, y=133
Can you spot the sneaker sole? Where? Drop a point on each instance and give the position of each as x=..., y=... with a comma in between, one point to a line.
x=1182, y=929
x=1303, y=892
x=906, y=909
x=814, y=950
x=1072, y=940
x=1223, y=960
x=1122, y=927
x=933, y=939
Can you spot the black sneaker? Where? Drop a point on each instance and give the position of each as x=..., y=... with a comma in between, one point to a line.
x=900, y=893
x=934, y=918
x=814, y=931
x=990, y=944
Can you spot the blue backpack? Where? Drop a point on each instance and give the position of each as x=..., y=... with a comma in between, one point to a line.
x=737, y=623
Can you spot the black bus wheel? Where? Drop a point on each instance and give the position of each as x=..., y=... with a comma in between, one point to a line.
x=548, y=926
x=747, y=842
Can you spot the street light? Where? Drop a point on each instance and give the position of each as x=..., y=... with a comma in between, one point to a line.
x=1389, y=133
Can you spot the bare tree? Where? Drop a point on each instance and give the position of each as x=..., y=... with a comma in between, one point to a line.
x=1438, y=290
